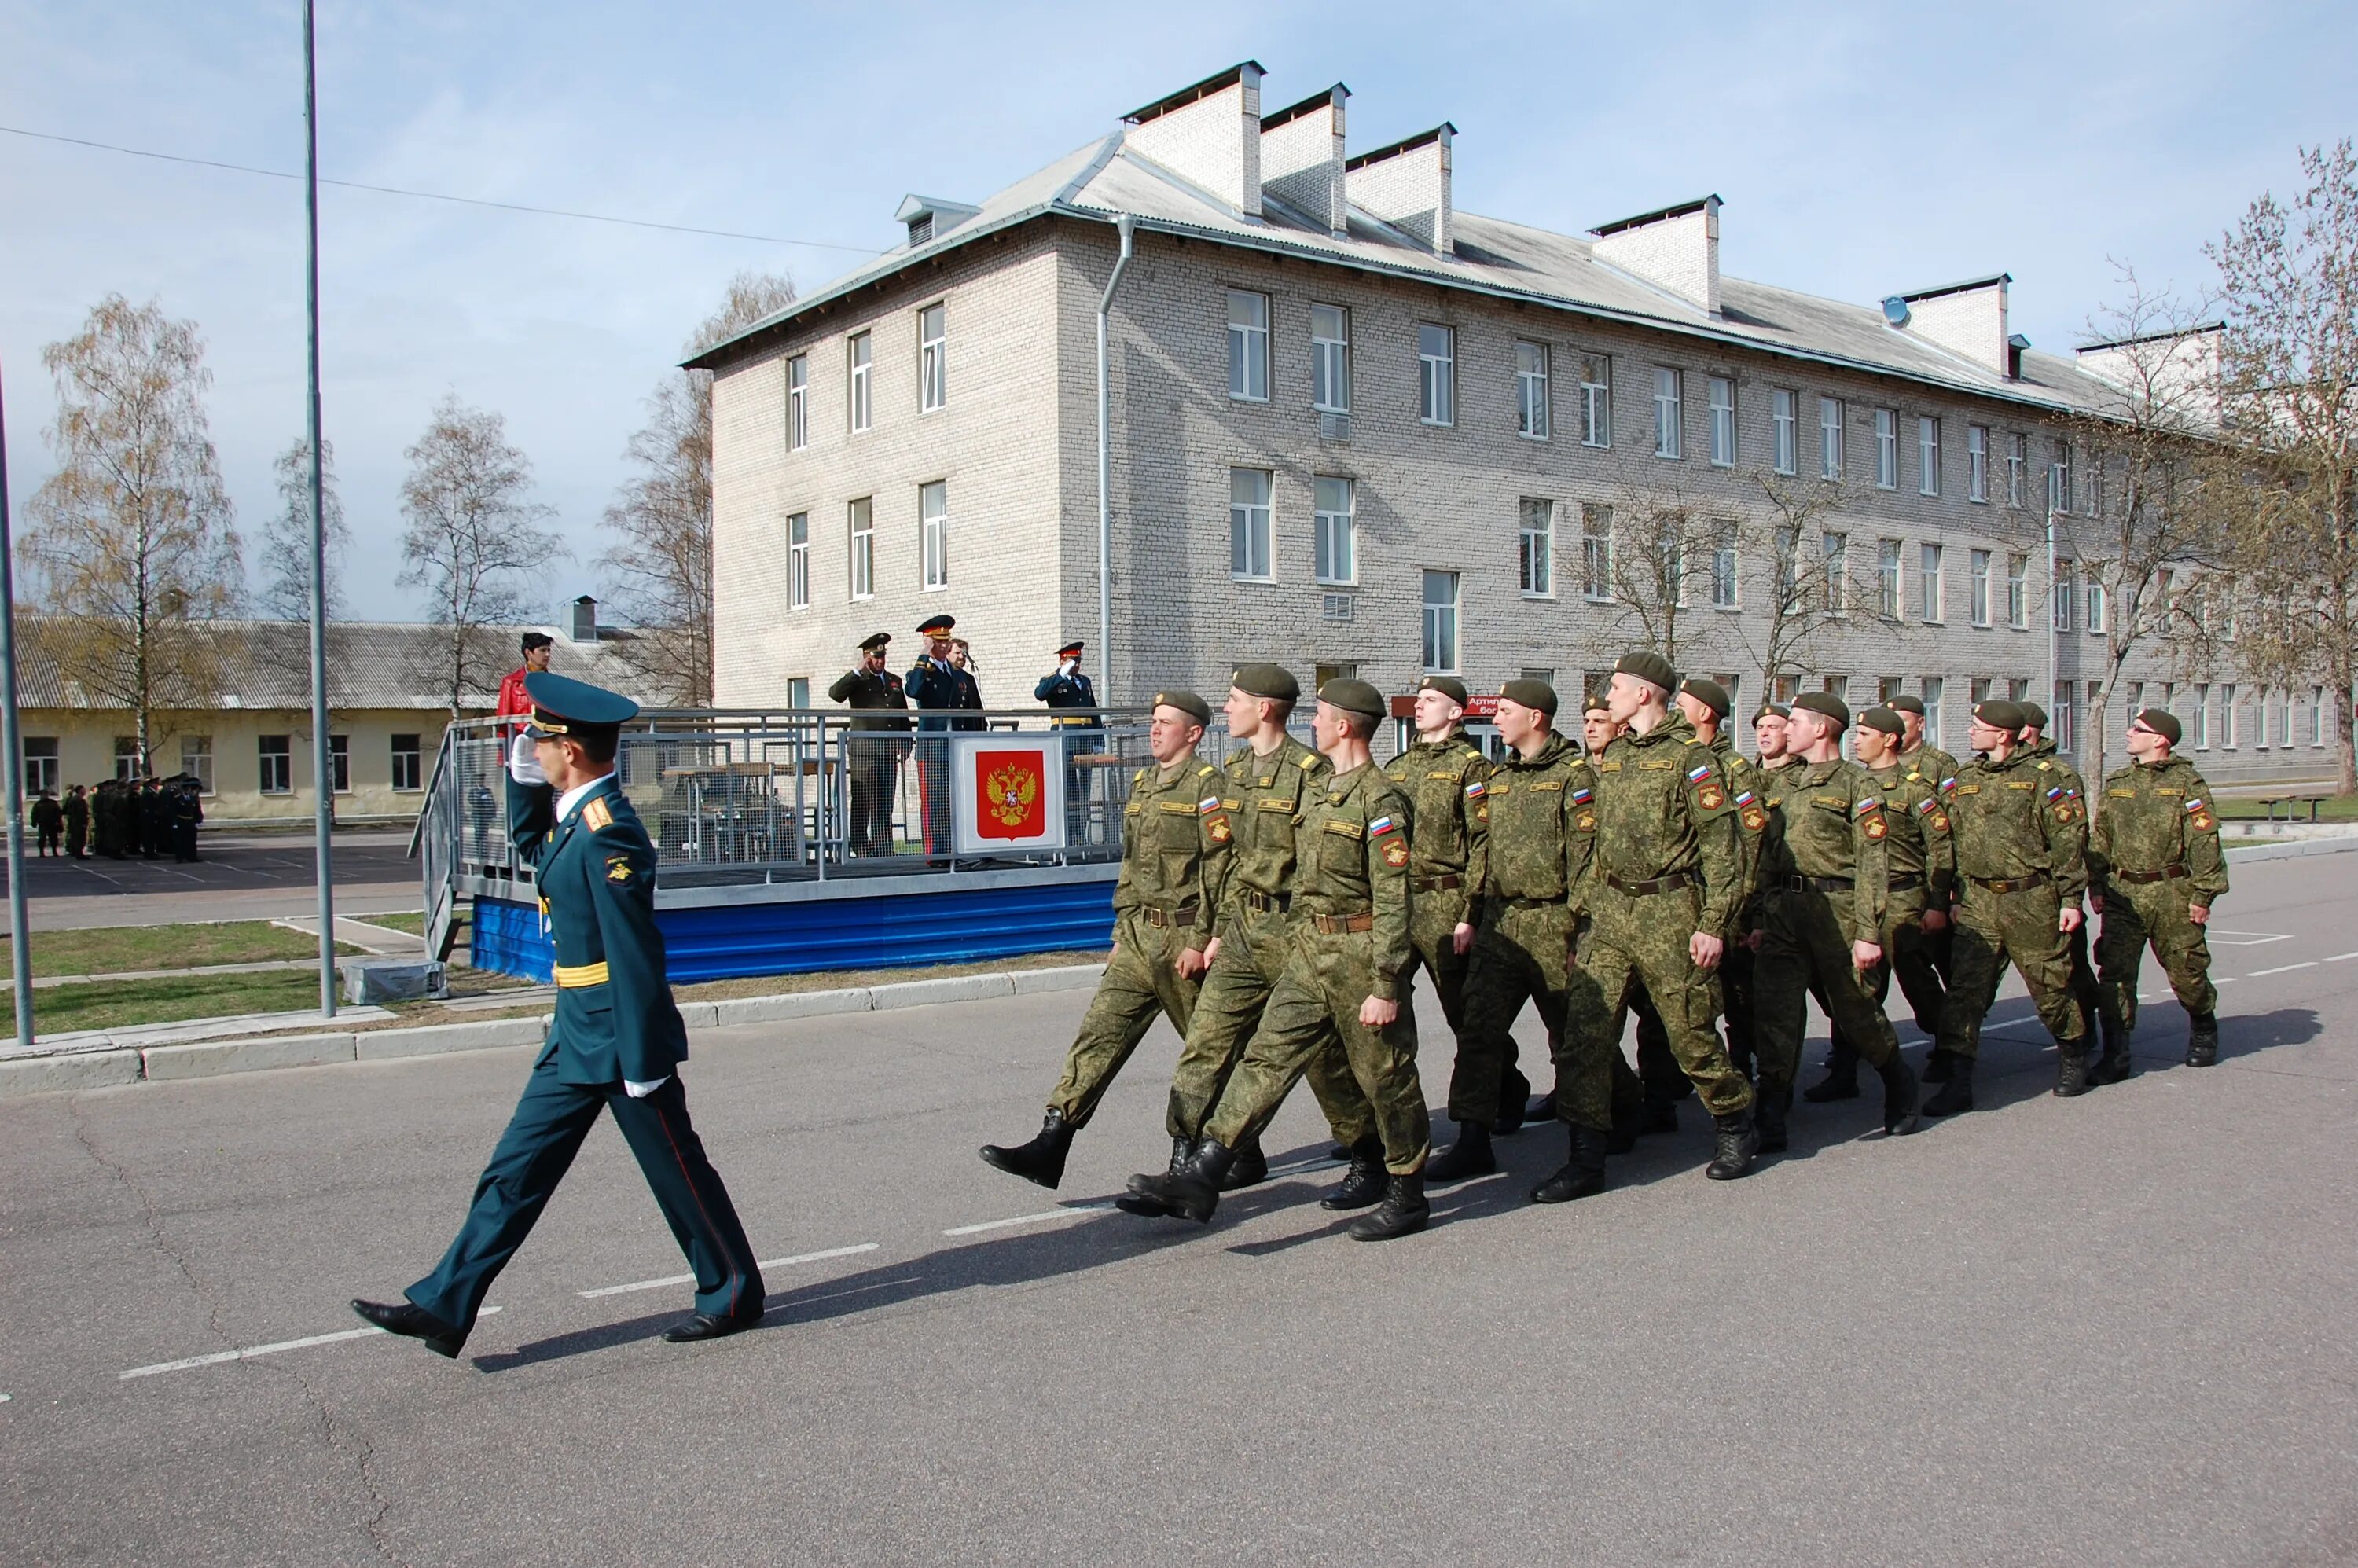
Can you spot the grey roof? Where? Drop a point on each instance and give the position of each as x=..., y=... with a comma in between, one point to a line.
x=1104, y=179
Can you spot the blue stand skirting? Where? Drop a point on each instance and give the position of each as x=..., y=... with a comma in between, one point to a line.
x=728, y=941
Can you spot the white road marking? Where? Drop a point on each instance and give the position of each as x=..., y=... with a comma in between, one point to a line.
x=251, y=1351
x=2246, y=939
x=2225, y=980
x=2338, y=957
x=1024, y=1219
x=2281, y=968
x=690, y=1278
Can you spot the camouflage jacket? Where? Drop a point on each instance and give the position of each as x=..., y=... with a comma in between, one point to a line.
x=2014, y=818
x=1446, y=783
x=1542, y=817
x=1664, y=806
x=2156, y=816
x=1830, y=823
x=1918, y=845
x=1262, y=797
x=1936, y=765
x=1355, y=860
x=1175, y=837
x=1743, y=784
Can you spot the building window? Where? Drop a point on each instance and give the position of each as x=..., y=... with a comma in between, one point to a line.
x=862, y=353
x=126, y=758
x=1336, y=560
x=1726, y=591
x=276, y=755
x=1597, y=400
x=1596, y=550
x=1668, y=396
x=40, y=770
x=1531, y=390
x=1330, y=359
x=934, y=533
x=1977, y=463
x=1722, y=421
x=2059, y=478
x=339, y=764
x=1836, y=549
x=863, y=547
x=1538, y=558
x=933, y=358
x=2059, y=717
x=2199, y=731
x=2284, y=716
x=1670, y=556
x=1886, y=449
x=408, y=765
x=1436, y=375
x=798, y=692
x=1830, y=438
x=2317, y=716
x=1935, y=688
x=2228, y=716
x=1977, y=579
x=1928, y=582
x=2017, y=592
x=1248, y=346
x=2017, y=456
x=1781, y=689
x=797, y=403
x=1784, y=546
x=2098, y=609
x=1439, y=622
x=2065, y=593
x=1887, y=579
x=1979, y=692
x=1252, y=540
x=1785, y=420
x=798, y=561
x=1927, y=457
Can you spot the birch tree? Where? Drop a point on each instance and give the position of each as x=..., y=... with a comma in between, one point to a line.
x=286, y=552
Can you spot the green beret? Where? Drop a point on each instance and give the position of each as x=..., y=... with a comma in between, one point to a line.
x=2162, y=723
x=1449, y=686
x=1885, y=719
x=1353, y=696
x=1710, y=693
x=1530, y=693
x=2033, y=715
x=1827, y=704
x=1649, y=666
x=1906, y=704
x=1999, y=714
x=1773, y=711
x=1187, y=702
x=1272, y=681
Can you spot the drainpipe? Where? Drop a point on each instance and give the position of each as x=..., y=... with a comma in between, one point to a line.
x=1127, y=225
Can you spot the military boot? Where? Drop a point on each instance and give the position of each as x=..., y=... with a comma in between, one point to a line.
x=1402, y=1213
x=1956, y=1092
x=1514, y=1096
x=1363, y=1183
x=1541, y=1111
x=1193, y=1191
x=1660, y=1115
x=1251, y=1168
x=1471, y=1155
x=1628, y=1116
x=1769, y=1104
x=1582, y=1174
x=1841, y=1081
x=2071, y=1069
x=1939, y=1065
x=1042, y=1159
x=2113, y=1067
x=1142, y=1197
x=1900, y=1091
x=2203, y=1040
x=1739, y=1141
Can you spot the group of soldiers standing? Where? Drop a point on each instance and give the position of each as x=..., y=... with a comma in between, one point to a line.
x=121, y=819
x=1276, y=907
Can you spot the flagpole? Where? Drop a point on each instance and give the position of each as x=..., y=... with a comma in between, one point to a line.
x=322, y=762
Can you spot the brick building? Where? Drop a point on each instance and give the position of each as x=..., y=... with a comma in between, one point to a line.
x=1354, y=430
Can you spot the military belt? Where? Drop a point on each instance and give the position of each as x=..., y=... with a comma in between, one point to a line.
x=1819, y=885
x=569, y=976
x=1905, y=884
x=1153, y=915
x=2163, y=875
x=1263, y=903
x=1535, y=903
x=1671, y=883
x=2011, y=884
x=1439, y=884
x=1335, y=924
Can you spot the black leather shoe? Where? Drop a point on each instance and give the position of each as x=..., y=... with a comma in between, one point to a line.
x=413, y=1321
x=1582, y=1174
x=2072, y=1071
x=1736, y=1142
x=1042, y=1160
x=1514, y=1094
x=1838, y=1084
x=1956, y=1091
x=2203, y=1040
x=1249, y=1169
x=705, y=1326
x=1404, y=1212
x=1363, y=1183
x=1194, y=1191
x=1939, y=1065
x=1900, y=1096
x=1470, y=1156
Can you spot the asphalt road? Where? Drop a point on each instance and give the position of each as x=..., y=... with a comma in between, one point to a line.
x=255, y=876
x=2114, y=1329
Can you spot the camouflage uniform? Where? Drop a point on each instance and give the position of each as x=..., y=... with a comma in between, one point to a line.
x=1747, y=784
x=1668, y=863
x=1444, y=783
x=1349, y=940
x=2021, y=838
x=1175, y=849
x=2084, y=973
x=2155, y=852
x=1921, y=848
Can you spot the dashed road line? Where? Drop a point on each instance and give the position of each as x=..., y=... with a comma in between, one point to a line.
x=2338, y=957
x=690, y=1278
x=251, y=1351
x=2282, y=969
x=1026, y=1219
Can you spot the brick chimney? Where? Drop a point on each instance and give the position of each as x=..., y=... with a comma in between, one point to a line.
x=1966, y=319
x=1407, y=186
x=1301, y=157
x=1208, y=135
x=1676, y=249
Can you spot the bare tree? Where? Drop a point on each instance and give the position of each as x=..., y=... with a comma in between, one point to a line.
x=286, y=537
x=1659, y=545
x=659, y=570
x=1813, y=578
x=473, y=540
x=2288, y=271
x=131, y=541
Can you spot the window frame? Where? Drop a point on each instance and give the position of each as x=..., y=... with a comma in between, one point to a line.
x=1436, y=377
x=1887, y=449
x=1596, y=552
x=1322, y=518
x=1977, y=464
x=1784, y=420
x=1834, y=556
x=1249, y=348
x=2096, y=614
x=1330, y=360
x=416, y=753
x=934, y=357
x=1723, y=441
x=38, y=770
x=798, y=402
x=934, y=536
x=2063, y=596
x=1670, y=413
x=1978, y=588
x=2018, y=466
x=339, y=765
x=1890, y=577
x=1596, y=400
x=1255, y=522
x=860, y=540
x=1533, y=416
x=1727, y=565
x=859, y=364
x=1833, y=454
x=1535, y=552
x=1928, y=455
x=1931, y=590
x=282, y=756
x=2018, y=590
x=1441, y=618
x=798, y=561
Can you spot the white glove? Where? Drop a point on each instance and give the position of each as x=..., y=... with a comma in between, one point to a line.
x=640, y=1091
x=1071, y=664
x=523, y=763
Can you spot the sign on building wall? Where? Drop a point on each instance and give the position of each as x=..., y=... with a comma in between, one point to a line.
x=1007, y=792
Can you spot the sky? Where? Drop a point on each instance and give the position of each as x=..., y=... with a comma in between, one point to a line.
x=1861, y=149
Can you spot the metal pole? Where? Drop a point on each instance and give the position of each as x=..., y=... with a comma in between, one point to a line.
x=1126, y=227
x=322, y=774
x=2050, y=588
x=20, y=949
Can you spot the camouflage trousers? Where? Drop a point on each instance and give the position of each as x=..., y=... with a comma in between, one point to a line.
x=1433, y=937
x=1522, y=953
x=1254, y=951
x=1805, y=950
x=2151, y=915
x=1993, y=929
x=1641, y=940
x=1139, y=985
x=1913, y=956
x=1313, y=1014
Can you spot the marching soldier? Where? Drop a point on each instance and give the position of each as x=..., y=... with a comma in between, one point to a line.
x=77, y=810
x=2048, y=758
x=875, y=745
x=1914, y=751
x=1174, y=837
x=2021, y=845
x=943, y=690
x=1738, y=969
x=1827, y=903
x=1445, y=778
x=1341, y=984
x=1067, y=687
x=2156, y=869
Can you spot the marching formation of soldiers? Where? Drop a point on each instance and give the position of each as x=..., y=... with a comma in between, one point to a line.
x=123, y=820
x=1276, y=907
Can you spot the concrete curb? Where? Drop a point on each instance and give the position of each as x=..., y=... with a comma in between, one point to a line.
x=212, y=1057
x=67, y=1071
x=2237, y=857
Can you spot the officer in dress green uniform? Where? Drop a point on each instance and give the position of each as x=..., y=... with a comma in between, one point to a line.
x=1445, y=778
x=1342, y=984
x=617, y=1042
x=1174, y=842
x=878, y=742
x=2156, y=871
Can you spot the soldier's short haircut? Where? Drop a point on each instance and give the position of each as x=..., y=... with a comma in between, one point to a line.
x=599, y=741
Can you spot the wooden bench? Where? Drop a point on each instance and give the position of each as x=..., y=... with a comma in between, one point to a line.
x=2291, y=802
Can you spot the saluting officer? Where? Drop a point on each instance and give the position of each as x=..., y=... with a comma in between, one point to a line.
x=1444, y=776
x=2156, y=871
x=1341, y=985
x=617, y=1041
x=875, y=745
x=2021, y=844
x=1067, y=687
x=1174, y=840
x=945, y=695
